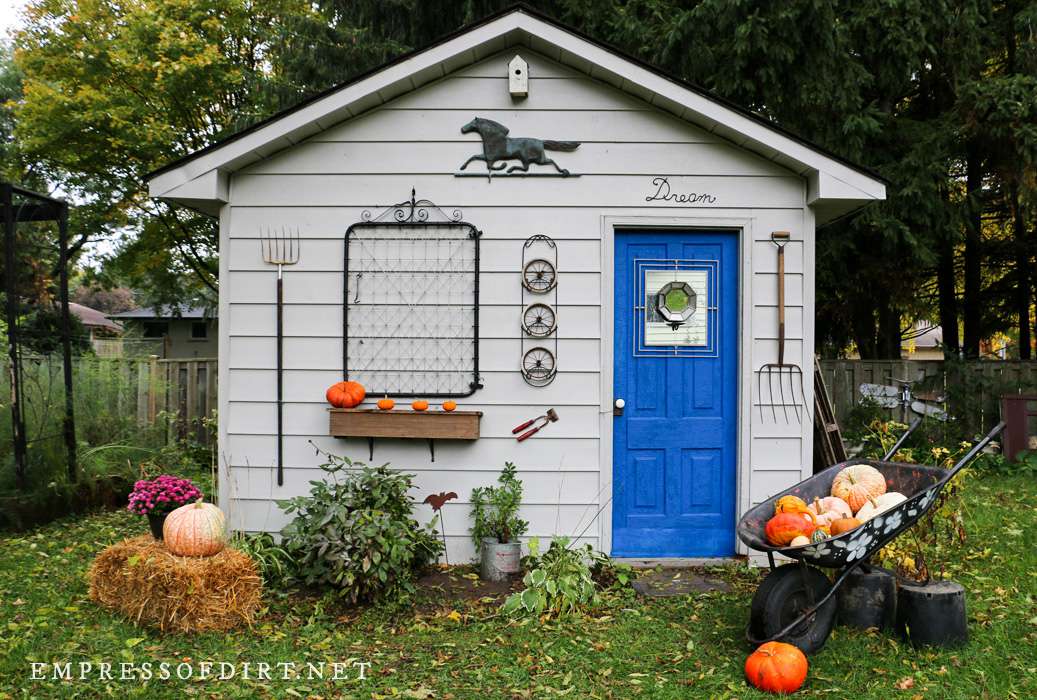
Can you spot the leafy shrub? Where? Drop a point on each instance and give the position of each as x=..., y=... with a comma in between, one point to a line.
x=559, y=581
x=495, y=509
x=356, y=534
x=273, y=560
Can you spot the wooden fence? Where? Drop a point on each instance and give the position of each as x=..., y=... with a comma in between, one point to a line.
x=974, y=389
x=149, y=387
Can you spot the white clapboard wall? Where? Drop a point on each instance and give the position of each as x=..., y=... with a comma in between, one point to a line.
x=321, y=186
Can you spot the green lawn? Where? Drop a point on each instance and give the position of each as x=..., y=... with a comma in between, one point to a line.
x=677, y=648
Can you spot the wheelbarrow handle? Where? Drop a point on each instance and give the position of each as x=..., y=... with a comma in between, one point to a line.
x=903, y=438
x=976, y=449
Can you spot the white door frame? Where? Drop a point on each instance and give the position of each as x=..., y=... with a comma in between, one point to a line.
x=743, y=226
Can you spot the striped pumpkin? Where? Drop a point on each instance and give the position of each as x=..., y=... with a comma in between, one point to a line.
x=195, y=530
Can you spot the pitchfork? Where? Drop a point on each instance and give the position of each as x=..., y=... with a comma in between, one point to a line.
x=280, y=250
x=786, y=374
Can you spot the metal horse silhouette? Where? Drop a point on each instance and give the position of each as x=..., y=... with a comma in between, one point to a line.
x=496, y=146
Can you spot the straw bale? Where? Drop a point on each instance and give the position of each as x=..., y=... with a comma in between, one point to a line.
x=139, y=578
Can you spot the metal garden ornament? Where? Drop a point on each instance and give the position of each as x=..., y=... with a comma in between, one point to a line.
x=498, y=148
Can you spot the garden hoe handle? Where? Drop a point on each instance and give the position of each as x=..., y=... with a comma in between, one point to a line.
x=522, y=427
x=530, y=433
x=780, y=238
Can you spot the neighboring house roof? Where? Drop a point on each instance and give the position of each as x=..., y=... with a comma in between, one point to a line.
x=92, y=318
x=165, y=312
x=200, y=180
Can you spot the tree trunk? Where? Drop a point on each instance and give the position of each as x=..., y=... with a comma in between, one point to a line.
x=1022, y=268
x=888, y=340
x=971, y=303
x=946, y=285
x=862, y=321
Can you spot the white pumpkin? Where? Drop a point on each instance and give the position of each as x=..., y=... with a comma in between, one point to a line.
x=879, y=504
x=799, y=541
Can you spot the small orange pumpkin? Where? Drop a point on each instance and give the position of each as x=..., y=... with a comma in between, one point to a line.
x=419, y=405
x=776, y=667
x=449, y=405
x=345, y=394
x=386, y=404
x=842, y=525
x=785, y=527
x=195, y=530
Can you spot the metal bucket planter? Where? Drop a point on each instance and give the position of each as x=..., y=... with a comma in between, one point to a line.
x=499, y=562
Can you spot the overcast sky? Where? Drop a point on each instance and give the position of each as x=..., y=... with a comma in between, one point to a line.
x=10, y=11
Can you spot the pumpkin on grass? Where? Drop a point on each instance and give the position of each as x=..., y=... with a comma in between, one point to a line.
x=776, y=667
x=857, y=483
x=785, y=527
x=195, y=530
x=345, y=394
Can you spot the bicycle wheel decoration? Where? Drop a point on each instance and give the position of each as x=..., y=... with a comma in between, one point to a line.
x=538, y=276
x=538, y=363
x=538, y=320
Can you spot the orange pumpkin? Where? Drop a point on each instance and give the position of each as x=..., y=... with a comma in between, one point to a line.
x=345, y=394
x=449, y=405
x=858, y=483
x=842, y=525
x=776, y=667
x=785, y=527
x=790, y=504
x=386, y=404
x=195, y=530
x=420, y=405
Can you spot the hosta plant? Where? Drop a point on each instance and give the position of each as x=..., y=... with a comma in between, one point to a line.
x=356, y=535
x=558, y=582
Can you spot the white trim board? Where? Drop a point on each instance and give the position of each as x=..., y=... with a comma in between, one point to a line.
x=200, y=181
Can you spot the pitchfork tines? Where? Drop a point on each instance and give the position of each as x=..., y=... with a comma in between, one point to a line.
x=280, y=248
x=785, y=374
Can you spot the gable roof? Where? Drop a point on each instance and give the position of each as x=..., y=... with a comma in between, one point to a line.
x=92, y=317
x=200, y=180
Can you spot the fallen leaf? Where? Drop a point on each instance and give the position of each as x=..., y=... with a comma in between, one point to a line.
x=906, y=683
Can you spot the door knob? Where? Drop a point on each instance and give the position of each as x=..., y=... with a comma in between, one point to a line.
x=617, y=407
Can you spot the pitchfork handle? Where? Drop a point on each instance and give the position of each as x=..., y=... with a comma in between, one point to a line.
x=781, y=304
x=280, y=378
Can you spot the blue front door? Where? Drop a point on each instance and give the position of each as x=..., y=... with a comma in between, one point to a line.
x=676, y=361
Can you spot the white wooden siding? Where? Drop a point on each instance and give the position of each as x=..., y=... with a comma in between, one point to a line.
x=321, y=186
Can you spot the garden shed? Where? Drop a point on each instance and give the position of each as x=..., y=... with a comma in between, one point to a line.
x=518, y=219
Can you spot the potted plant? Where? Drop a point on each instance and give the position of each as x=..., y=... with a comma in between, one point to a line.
x=159, y=497
x=496, y=527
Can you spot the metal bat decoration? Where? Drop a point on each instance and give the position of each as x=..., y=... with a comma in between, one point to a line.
x=437, y=501
x=497, y=146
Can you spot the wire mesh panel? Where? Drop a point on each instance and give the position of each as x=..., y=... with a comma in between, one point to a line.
x=412, y=307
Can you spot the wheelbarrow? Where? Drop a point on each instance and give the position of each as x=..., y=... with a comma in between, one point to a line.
x=795, y=603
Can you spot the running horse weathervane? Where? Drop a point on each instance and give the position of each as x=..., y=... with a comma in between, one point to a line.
x=496, y=146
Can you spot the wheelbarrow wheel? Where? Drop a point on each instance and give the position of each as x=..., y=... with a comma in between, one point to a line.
x=783, y=596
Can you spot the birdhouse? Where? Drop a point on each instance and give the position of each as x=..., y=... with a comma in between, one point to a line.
x=518, y=77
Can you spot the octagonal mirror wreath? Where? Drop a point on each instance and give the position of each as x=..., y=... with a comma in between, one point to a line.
x=676, y=303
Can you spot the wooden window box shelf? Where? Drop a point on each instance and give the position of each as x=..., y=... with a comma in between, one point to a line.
x=403, y=424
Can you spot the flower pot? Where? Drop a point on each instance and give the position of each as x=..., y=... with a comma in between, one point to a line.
x=932, y=613
x=499, y=562
x=156, y=521
x=868, y=598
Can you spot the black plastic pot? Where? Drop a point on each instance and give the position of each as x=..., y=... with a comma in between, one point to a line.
x=932, y=613
x=868, y=598
x=155, y=522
